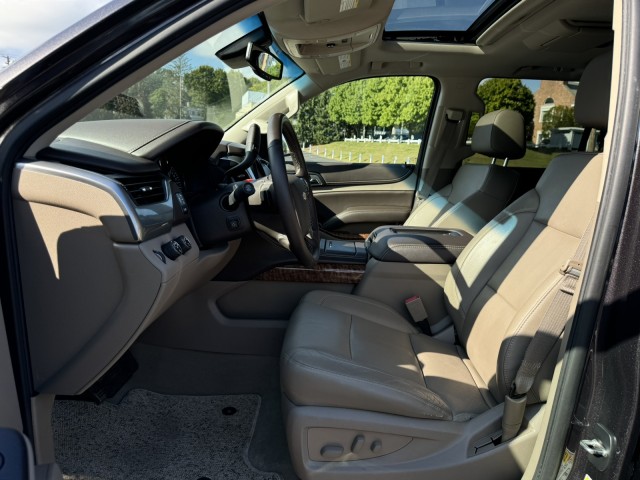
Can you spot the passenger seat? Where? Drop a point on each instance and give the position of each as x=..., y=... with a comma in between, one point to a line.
x=478, y=192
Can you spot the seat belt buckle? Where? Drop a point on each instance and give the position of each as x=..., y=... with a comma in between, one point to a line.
x=416, y=309
x=572, y=267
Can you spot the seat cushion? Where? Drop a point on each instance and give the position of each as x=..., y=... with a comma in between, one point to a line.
x=351, y=352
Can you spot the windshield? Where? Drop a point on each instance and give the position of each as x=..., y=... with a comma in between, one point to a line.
x=199, y=86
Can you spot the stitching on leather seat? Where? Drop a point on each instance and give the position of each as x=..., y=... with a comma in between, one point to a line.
x=429, y=393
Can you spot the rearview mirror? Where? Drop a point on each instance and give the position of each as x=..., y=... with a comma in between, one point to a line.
x=263, y=63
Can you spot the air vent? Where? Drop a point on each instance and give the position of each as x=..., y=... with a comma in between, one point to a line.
x=145, y=190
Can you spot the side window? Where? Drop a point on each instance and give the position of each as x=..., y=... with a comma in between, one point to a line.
x=547, y=108
x=376, y=120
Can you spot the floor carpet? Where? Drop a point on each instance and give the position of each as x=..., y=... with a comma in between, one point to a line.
x=153, y=436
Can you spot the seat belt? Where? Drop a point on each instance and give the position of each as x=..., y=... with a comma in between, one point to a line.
x=452, y=118
x=541, y=345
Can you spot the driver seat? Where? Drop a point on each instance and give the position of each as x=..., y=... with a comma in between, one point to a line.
x=367, y=395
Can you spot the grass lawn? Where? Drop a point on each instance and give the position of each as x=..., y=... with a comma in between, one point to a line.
x=408, y=153
x=370, y=152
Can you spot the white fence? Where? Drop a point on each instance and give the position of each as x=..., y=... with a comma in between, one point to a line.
x=356, y=158
x=370, y=139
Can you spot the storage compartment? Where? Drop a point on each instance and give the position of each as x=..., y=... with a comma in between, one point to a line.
x=342, y=251
x=416, y=244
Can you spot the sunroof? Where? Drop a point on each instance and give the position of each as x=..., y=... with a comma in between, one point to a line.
x=442, y=20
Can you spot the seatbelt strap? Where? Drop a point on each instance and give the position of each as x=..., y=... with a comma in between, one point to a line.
x=452, y=119
x=542, y=343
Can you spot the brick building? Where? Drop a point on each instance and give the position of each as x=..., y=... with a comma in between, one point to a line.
x=550, y=94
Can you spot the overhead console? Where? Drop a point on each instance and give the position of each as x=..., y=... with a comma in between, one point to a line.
x=330, y=33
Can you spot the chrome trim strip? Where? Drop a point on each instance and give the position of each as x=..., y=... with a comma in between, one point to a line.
x=145, y=221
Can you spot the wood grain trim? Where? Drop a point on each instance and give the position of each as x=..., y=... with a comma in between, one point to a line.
x=321, y=273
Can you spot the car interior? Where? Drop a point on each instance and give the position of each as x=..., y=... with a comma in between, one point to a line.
x=317, y=318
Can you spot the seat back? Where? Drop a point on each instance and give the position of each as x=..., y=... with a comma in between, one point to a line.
x=477, y=192
x=502, y=285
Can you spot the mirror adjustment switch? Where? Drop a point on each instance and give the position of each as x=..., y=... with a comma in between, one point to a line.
x=172, y=249
x=184, y=242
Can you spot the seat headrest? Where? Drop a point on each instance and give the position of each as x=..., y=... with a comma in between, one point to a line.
x=592, y=99
x=500, y=134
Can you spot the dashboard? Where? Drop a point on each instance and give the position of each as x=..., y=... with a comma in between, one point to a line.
x=117, y=220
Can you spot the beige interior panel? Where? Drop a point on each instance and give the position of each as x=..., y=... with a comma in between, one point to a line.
x=232, y=317
x=88, y=295
x=442, y=450
x=269, y=300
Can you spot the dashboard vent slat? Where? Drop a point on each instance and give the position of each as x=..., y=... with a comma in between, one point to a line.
x=145, y=190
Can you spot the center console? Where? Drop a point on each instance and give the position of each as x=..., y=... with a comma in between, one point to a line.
x=416, y=245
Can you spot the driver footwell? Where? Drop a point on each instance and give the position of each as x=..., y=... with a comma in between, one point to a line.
x=177, y=373
x=156, y=436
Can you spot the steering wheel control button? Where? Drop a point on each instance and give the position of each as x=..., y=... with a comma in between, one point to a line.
x=172, y=249
x=182, y=202
x=233, y=223
x=332, y=451
x=184, y=242
x=160, y=255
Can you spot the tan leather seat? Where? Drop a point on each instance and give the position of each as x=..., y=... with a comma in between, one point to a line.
x=357, y=355
x=478, y=192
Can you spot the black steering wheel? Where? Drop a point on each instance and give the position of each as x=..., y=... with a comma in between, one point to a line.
x=293, y=191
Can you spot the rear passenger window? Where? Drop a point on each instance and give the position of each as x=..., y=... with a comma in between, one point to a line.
x=547, y=107
x=376, y=120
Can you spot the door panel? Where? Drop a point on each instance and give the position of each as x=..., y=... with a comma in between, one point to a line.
x=335, y=173
x=355, y=198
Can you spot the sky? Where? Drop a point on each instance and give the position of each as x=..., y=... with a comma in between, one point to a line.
x=26, y=24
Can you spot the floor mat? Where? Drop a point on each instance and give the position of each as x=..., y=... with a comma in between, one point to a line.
x=152, y=436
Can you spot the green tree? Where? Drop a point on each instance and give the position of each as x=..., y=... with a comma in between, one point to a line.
x=206, y=85
x=382, y=102
x=170, y=99
x=143, y=89
x=509, y=93
x=345, y=106
x=559, y=116
x=313, y=124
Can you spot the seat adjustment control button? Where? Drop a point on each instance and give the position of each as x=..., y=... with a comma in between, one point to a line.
x=357, y=443
x=332, y=451
x=172, y=249
x=376, y=446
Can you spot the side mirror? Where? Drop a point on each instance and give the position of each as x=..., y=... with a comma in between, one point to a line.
x=263, y=63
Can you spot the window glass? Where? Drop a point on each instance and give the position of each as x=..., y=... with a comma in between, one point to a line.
x=547, y=107
x=376, y=120
x=434, y=15
x=199, y=86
